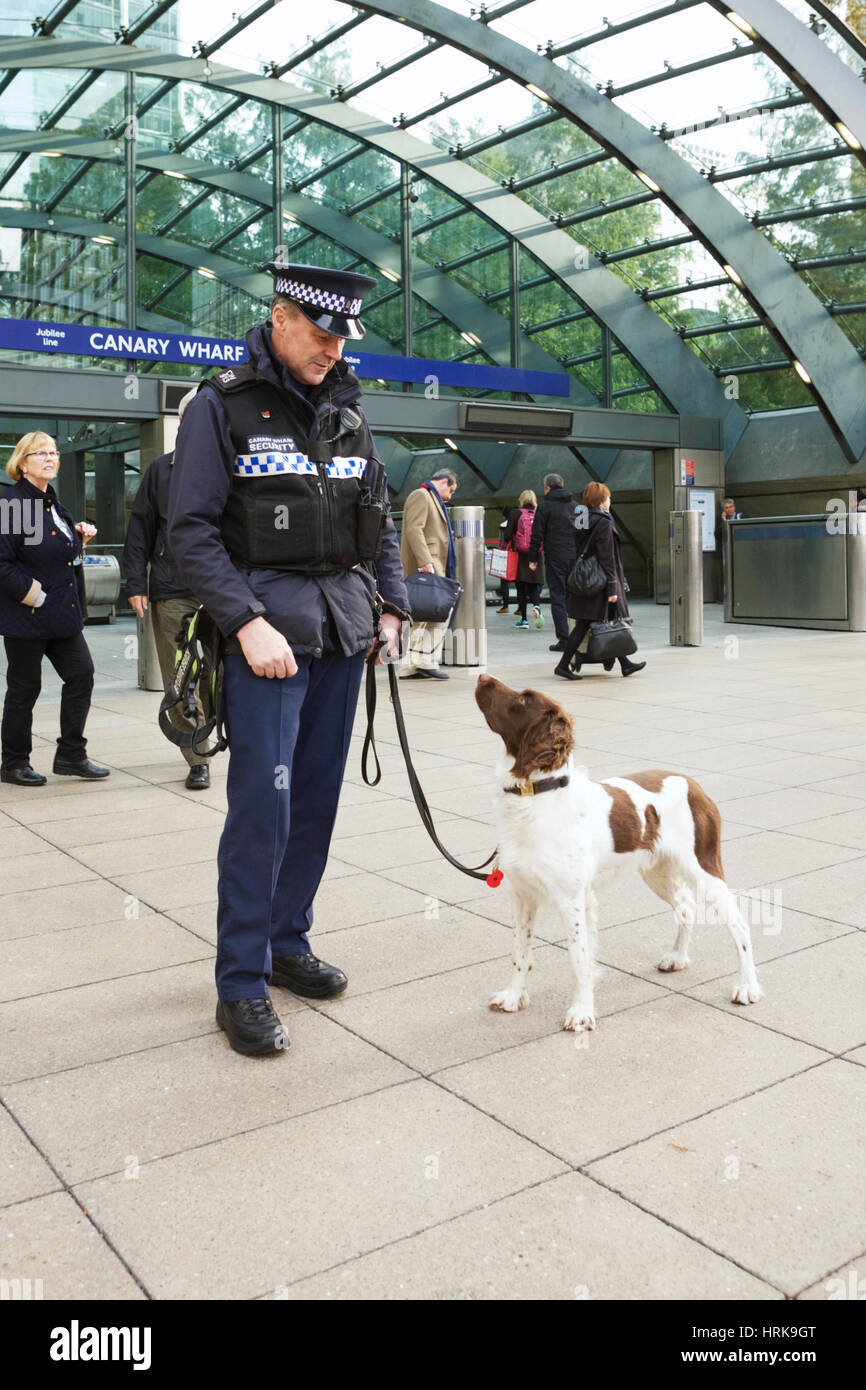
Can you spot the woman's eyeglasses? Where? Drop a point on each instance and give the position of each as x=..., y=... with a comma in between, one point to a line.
x=43, y=454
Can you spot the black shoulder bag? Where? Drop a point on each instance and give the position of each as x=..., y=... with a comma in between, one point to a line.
x=587, y=576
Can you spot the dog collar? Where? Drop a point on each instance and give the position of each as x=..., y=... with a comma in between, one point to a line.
x=548, y=784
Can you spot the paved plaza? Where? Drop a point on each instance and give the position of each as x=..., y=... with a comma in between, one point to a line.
x=412, y=1143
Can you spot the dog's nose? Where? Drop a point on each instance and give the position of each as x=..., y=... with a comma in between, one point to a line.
x=484, y=680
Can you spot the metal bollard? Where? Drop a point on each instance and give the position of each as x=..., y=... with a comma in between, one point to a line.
x=149, y=674
x=466, y=642
x=687, y=580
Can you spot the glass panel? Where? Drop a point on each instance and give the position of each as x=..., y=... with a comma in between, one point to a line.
x=424, y=83
x=35, y=180
x=212, y=219
x=254, y=245
x=456, y=238
x=538, y=152
x=306, y=151
x=854, y=325
x=96, y=191
x=266, y=39
x=238, y=135
x=34, y=93
x=160, y=200
x=356, y=180
x=779, y=390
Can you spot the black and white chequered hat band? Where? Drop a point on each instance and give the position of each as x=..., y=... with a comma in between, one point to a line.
x=322, y=299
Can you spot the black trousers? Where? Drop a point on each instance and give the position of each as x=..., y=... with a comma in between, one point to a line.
x=575, y=637
x=557, y=575
x=71, y=659
x=526, y=592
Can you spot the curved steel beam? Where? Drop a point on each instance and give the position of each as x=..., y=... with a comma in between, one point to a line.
x=668, y=364
x=784, y=302
x=831, y=86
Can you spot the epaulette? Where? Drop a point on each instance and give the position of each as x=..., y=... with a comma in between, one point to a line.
x=233, y=378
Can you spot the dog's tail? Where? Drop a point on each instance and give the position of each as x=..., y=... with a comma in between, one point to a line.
x=708, y=830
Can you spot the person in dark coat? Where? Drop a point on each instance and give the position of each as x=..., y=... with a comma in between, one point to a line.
x=163, y=587
x=603, y=542
x=41, y=614
x=553, y=531
x=529, y=580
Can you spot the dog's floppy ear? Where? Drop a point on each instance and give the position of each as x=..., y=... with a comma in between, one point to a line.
x=545, y=745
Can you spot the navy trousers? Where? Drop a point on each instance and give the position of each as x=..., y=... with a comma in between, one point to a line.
x=288, y=742
x=557, y=574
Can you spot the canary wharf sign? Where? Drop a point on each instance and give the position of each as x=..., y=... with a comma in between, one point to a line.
x=87, y=340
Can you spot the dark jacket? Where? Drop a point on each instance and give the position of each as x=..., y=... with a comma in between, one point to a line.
x=298, y=605
x=603, y=542
x=524, y=574
x=553, y=528
x=50, y=560
x=147, y=541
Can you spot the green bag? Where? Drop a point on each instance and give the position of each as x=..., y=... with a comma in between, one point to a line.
x=198, y=672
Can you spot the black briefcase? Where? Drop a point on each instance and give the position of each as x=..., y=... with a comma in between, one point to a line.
x=432, y=597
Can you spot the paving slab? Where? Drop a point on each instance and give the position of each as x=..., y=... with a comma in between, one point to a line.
x=23, y=1171
x=567, y=1238
x=182, y=1095
x=185, y=1232
x=643, y=1070
x=774, y=1181
x=445, y=1019
x=36, y=965
x=50, y=1240
x=60, y=907
x=815, y=995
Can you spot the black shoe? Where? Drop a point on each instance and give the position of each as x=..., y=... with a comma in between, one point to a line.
x=198, y=777
x=437, y=674
x=557, y=646
x=567, y=675
x=307, y=976
x=22, y=776
x=628, y=668
x=252, y=1027
x=608, y=665
x=82, y=768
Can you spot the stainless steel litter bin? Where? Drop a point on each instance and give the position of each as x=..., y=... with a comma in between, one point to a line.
x=466, y=642
x=687, y=579
x=101, y=585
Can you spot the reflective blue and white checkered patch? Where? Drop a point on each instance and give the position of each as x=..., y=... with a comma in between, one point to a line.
x=322, y=299
x=259, y=465
x=346, y=468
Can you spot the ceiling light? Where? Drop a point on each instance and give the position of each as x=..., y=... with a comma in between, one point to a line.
x=802, y=373
x=650, y=183
x=381, y=380
x=208, y=274
x=451, y=444
x=537, y=92
x=289, y=217
x=390, y=275
x=471, y=339
x=104, y=240
x=741, y=24
x=848, y=136
x=173, y=174
x=51, y=154
x=732, y=274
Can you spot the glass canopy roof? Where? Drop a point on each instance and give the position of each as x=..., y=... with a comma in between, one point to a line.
x=451, y=211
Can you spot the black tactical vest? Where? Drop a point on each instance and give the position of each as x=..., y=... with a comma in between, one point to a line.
x=294, y=502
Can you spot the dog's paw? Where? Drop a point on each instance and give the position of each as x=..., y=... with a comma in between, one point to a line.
x=746, y=994
x=673, y=962
x=509, y=1001
x=579, y=1020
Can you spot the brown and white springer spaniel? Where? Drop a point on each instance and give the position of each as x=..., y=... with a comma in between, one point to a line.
x=559, y=832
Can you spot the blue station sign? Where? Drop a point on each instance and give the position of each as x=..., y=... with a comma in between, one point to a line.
x=88, y=340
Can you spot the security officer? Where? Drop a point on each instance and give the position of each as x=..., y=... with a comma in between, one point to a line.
x=275, y=484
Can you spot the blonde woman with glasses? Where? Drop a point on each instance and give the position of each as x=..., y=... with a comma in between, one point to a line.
x=41, y=614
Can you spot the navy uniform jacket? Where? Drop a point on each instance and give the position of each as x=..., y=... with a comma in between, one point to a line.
x=51, y=562
x=297, y=605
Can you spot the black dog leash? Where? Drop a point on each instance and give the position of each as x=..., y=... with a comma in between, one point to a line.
x=492, y=879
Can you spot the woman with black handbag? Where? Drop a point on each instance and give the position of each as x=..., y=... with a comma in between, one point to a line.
x=602, y=543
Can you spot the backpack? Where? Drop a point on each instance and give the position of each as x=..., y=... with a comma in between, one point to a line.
x=524, y=530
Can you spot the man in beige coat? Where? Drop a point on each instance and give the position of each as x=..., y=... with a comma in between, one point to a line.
x=424, y=546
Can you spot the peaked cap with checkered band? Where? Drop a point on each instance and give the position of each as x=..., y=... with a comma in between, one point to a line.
x=331, y=299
